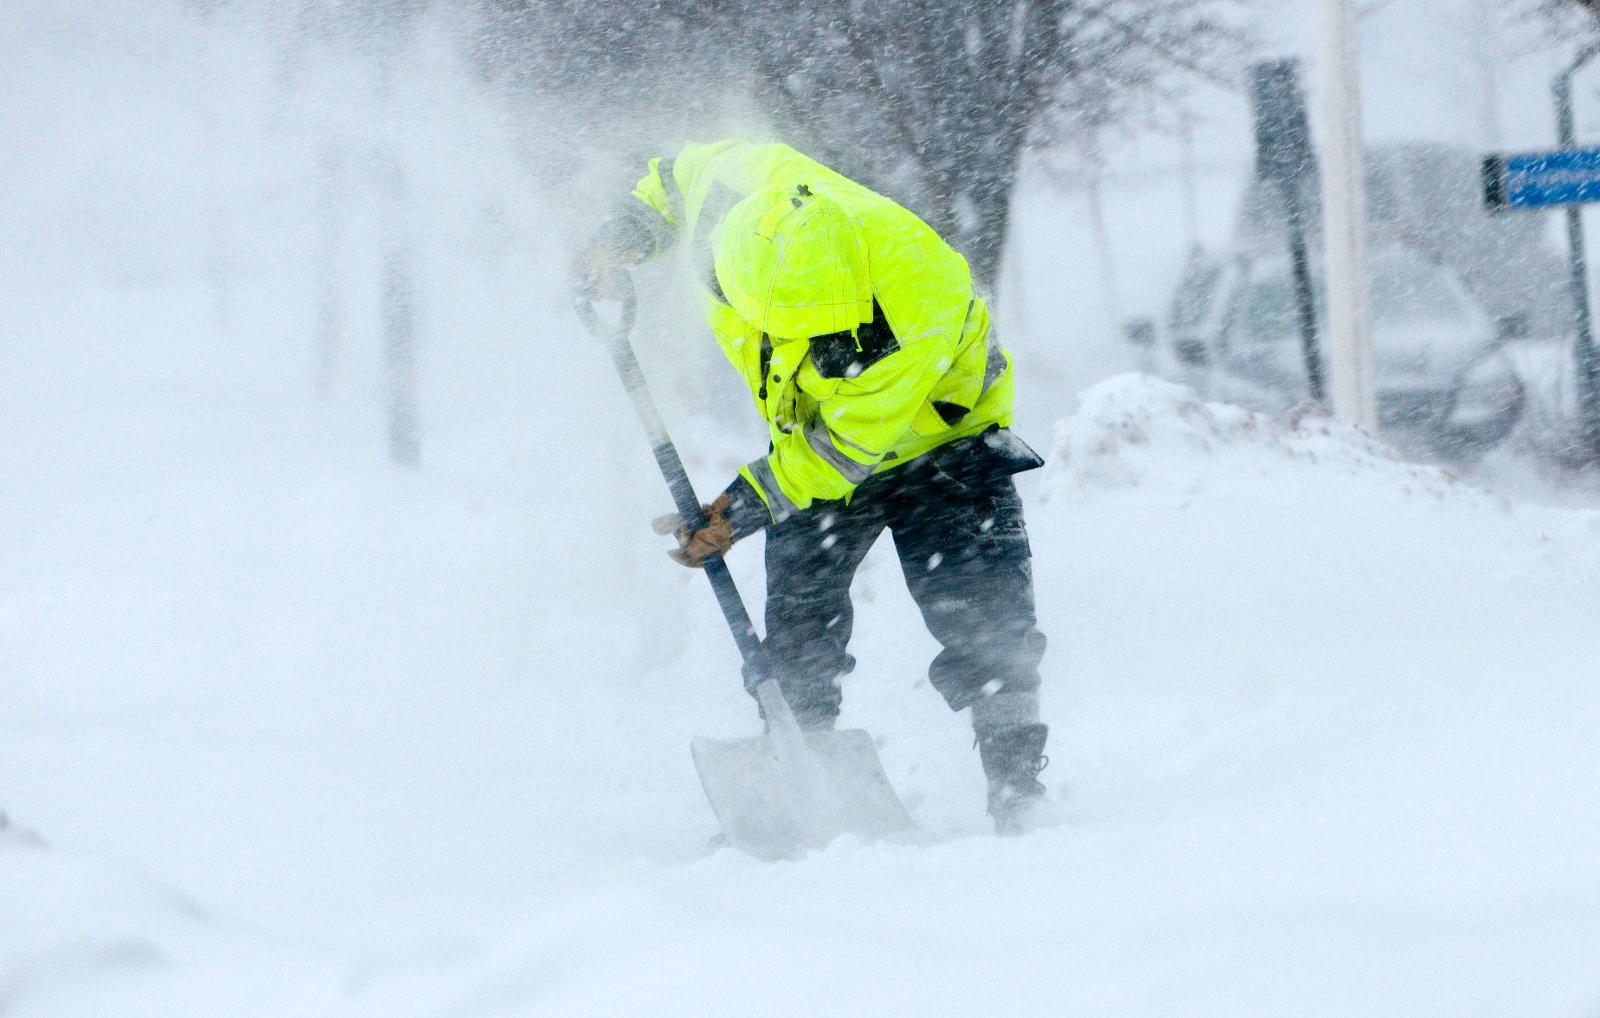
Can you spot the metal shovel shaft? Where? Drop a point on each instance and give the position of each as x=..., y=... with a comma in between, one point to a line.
x=783, y=792
x=615, y=336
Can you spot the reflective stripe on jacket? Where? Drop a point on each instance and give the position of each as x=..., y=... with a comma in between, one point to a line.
x=840, y=408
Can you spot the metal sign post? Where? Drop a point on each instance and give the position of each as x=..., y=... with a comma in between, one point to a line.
x=1588, y=359
x=1567, y=178
x=1284, y=157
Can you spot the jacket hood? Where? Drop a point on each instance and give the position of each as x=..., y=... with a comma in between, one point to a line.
x=793, y=263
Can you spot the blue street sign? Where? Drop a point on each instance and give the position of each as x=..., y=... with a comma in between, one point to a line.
x=1534, y=180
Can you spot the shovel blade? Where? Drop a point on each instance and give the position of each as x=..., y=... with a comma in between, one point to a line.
x=777, y=808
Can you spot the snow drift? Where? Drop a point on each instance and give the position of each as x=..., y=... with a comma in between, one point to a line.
x=1323, y=728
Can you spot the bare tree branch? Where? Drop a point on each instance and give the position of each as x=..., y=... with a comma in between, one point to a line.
x=931, y=101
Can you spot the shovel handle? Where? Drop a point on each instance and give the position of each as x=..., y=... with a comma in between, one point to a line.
x=583, y=300
x=615, y=337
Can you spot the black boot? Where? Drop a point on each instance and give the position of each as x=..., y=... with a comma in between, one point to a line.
x=1012, y=759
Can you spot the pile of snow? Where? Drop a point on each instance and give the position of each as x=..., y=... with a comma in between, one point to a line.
x=1131, y=427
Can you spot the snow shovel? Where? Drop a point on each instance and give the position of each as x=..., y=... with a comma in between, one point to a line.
x=782, y=793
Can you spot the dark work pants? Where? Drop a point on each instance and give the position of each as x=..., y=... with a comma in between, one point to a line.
x=964, y=552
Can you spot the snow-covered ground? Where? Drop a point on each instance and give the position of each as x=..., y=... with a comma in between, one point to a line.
x=341, y=743
x=290, y=731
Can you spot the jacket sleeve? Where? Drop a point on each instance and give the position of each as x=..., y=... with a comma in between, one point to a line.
x=658, y=200
x=658, y=212
x=854, y=431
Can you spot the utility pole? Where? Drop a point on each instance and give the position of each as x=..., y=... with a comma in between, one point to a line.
x=398, y=291
x=1588, y=360
x=1344, y=217
x=330, y=340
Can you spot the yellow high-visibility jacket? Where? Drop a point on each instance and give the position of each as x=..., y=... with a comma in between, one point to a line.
x=843, y=407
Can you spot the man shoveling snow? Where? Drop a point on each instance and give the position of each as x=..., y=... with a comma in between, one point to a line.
x=888, y=403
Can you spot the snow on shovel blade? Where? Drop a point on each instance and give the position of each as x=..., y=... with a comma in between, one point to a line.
x=775, y=803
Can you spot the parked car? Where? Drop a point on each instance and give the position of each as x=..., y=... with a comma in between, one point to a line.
x=1443, y=382
x=1428, y=199
x=1451, y=285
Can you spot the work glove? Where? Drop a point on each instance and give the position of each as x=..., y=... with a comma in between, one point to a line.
x=600, y=271
x=695, y=546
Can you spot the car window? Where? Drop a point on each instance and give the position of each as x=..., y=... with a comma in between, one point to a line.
x=1196, y=290
x=1402, y=290
x=1269, y=313
x=1405, y=290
